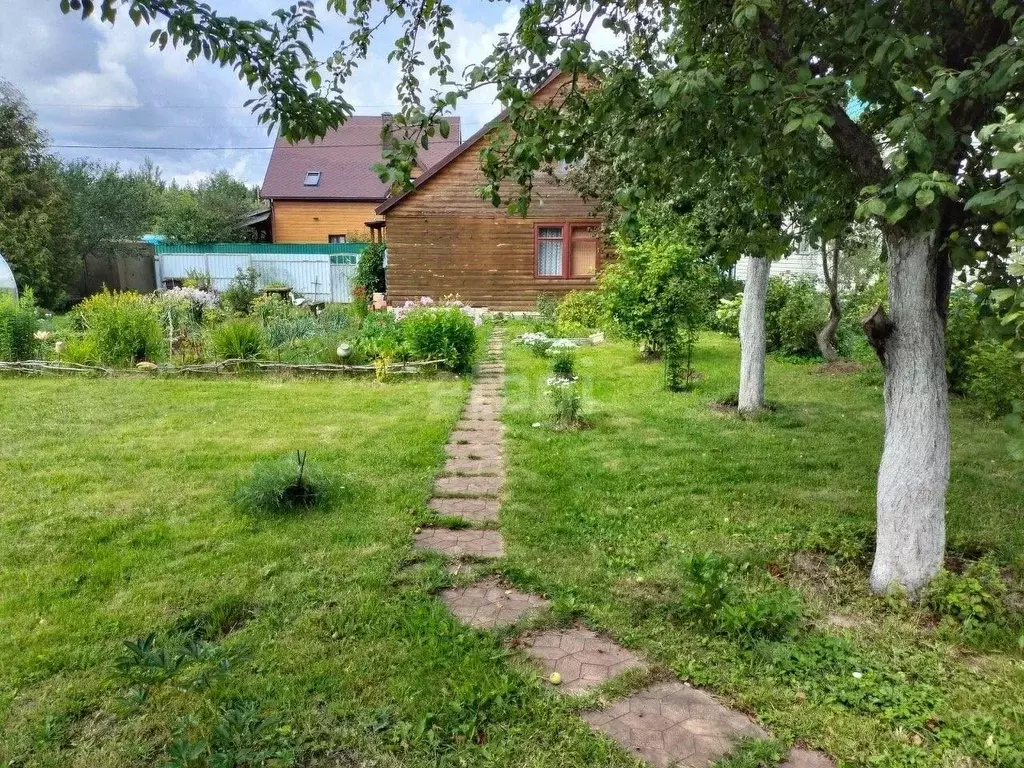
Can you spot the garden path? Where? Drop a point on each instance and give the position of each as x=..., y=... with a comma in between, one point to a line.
x=666, y=723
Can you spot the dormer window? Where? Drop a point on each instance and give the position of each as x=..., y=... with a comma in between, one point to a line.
x=312, y=179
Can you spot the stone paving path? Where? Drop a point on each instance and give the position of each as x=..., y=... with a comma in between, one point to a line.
x=667, y=723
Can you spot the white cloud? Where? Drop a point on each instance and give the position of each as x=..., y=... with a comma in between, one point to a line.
x=74, y=73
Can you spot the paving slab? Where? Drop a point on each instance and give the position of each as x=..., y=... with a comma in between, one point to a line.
x=473, y=450
x=484, y=437
x=474, y=467
x=474, y=487
x=479, y=425
x=476, y=510
x=462, y=543
x=673, y=724
x=583, y=658
x=489, y=604
x=485, y=412
x=807, y=758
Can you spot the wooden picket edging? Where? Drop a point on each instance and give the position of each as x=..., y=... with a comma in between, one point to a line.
x=220, y=368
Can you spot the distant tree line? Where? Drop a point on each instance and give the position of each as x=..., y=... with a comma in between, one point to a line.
x=53, y=213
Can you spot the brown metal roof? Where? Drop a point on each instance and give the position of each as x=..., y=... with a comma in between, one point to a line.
x=344, y=158
x=437, y=167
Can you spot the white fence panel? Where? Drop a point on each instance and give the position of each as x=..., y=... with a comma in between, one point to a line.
x=317, y=276
x=342, y=282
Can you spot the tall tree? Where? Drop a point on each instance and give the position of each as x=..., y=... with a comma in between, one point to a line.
x=108, y=203
x=209, y=212
x=932, y=72
x=34, y=224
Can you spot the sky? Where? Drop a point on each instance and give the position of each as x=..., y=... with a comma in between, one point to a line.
x=95, y=84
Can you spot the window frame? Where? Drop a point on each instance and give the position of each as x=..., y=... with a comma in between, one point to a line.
x=319, y=176
x=567, y=226
x=331, y=239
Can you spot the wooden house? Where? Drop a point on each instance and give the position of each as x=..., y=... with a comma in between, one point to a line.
x=443, y=239
x=327, y=191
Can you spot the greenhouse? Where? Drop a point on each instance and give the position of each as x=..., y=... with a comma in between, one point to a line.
x=7, y=282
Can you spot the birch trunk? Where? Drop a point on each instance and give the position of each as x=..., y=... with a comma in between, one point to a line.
x=752, y=335
x=914, y=473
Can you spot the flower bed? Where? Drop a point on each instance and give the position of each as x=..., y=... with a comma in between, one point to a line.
x=189, y=330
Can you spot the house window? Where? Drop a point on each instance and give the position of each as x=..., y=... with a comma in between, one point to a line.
x=336, y=239
x=312, y=179
x=566, y=250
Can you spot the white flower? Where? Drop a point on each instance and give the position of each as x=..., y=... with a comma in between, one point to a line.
x=563, y=344
x=41, y=335
x=858, y=675
x=426, y=301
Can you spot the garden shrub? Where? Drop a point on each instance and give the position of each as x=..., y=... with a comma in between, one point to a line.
x=547, y=310
x=993, y=378
x=657, y=286
x=124, y=328
x=727, y=315
x=371, y=276
x=18, y=325
x=238, y=339
x=582, y=309
x=242, y=291
x=381, y=336
x=800, y=318
x=287, y=485
x=963, y=331
x=441, y=333
x=775, y=300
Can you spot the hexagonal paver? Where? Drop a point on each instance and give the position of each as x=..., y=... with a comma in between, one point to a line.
x=473, y=467
x=489, y=604
x=479, y=425
x=486, y=437
x=477, y=510
x=583, y=658
x=674, y=724
x=806, y=758
x=481, y=413
x=473, y=487
x=469, y=450
x=467, y=542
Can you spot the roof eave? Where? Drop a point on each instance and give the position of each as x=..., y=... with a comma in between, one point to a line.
x=464, y=147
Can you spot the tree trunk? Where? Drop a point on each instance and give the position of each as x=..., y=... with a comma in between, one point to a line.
x=914, y=473
x=827, y=335
x=752, y=335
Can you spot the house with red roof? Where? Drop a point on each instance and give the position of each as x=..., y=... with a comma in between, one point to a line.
x=445, y=240
x=326, y=191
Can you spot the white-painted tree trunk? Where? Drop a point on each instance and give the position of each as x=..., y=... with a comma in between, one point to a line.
x=752, y=335
x=914, y=473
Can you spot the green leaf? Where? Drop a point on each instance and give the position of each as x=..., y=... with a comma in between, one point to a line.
x=898, y=213
x=792, y=125
x=906, y=188
x=875, y=206
x=924, y=198
x=1007, y=160
x=758, y=82
x=999, y=295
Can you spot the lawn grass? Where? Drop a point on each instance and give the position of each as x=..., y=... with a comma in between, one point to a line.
x=117, y=522
x=602, y=519
x=314, y=644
